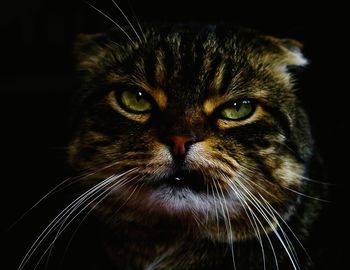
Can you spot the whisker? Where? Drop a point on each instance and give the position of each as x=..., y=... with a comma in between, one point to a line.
x=305, y=195
x=262, y=210
x=230, y=228
x=283, y=144
x=240, y=196
x=285, y=223
x=56, y=189
x=137, y=21
x=60, y=187
x=129, y=197
x=196, y=219
x=288, y=241
x=273, y=211
x=216, y=208
x=113, y=188
x=280, y=217
x=249, y=182
x=103, y=194
x=207, y=211
x=227, y=222
x=125, y=202
x=254, y=225
x=310, y=179
x=54, y=223
x=262, y=226
x=127, y=19
x=114, y=22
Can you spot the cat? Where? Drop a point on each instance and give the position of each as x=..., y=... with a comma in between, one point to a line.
x=196, y=151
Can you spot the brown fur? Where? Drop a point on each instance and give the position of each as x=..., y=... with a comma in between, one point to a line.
x=190, y=73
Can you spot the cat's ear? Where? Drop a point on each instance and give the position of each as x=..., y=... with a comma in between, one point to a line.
x=88, y=50
x=82, y=40
x=291, y=51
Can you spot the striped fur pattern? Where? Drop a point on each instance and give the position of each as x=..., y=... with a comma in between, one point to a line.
x=242, y=204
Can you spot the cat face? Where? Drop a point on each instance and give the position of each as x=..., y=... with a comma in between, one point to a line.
x=197, y=126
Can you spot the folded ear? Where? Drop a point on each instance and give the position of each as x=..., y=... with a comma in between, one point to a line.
x=88, y=49
x=85, y=42
x=291, y=51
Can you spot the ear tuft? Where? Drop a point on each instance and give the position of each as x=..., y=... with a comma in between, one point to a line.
x=292, y=51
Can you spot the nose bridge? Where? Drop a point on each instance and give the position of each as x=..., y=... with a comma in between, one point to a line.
x=181, y=129
x=185, y=121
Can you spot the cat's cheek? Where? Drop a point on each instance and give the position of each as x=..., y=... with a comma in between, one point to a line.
x=289, y=173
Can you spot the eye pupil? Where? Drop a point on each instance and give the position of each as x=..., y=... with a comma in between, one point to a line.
x=237, y=106
x=139, y=96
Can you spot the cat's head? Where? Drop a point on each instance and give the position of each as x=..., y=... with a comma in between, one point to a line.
x=196, y=125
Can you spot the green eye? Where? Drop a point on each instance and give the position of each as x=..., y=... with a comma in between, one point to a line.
x=135, y=101
x=238, y=110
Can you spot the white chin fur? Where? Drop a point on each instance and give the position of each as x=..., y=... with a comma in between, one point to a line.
x=174, y=200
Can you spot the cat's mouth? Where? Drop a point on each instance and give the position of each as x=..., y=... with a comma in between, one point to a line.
x=184, y=179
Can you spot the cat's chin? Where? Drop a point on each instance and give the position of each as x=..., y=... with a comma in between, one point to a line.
x=179, y=201
x=185, y=199
x=182, y=209
x=184, y=191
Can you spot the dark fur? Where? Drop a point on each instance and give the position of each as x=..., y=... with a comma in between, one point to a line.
x=184, y=62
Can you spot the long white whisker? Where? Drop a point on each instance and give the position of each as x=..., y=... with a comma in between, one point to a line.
x=196, y=219
x=207, y=211
x=126, y=201
x=216, y=209
x=263, y=228
x=51, y=192
x=53, y=224
x=63, y=226
x=227, y=222
x=128, y=198
x=105, y=193
x=137, y=21
x=114, y=22
x=278, y=215
x=258, y=220
x=288, y=241
x=127, y=19
x=309, y=179
x=306, y=196
x=249, y=182
x=230, y=228
x=285, y=223
x=240, y=196
x=253, y=221
x=61, y=186
x=112, y=189
x=292, y=190
x=263, y=212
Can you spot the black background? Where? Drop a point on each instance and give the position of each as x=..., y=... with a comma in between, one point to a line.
x=36, y=87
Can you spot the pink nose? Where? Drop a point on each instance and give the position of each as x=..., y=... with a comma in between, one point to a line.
x=180, y=143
